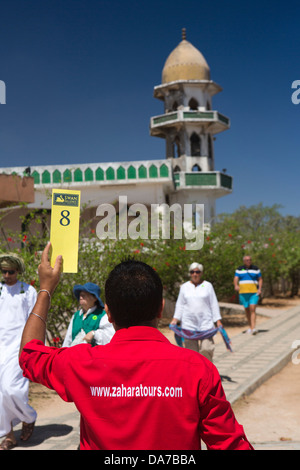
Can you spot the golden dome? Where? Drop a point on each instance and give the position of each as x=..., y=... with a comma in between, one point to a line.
x=185, y=63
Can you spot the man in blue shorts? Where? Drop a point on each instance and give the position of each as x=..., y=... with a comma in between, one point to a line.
x=248, y=283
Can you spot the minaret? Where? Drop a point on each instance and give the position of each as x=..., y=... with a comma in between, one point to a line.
x=189, y=125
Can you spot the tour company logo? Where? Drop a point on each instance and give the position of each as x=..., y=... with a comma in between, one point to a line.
x=161, y=221
x=2, y=92
x=61, y=199
x=296, y=94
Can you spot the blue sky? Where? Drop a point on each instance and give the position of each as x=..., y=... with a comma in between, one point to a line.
x=80, y=76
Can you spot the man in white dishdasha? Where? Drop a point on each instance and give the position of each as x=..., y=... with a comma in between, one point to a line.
x=17, y=299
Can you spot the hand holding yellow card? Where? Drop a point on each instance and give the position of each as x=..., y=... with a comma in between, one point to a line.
x=64, y=231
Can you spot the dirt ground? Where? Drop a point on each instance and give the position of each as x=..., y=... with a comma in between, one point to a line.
x=270, y=414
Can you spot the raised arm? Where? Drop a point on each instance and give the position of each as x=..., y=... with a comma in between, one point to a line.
x=35, y=327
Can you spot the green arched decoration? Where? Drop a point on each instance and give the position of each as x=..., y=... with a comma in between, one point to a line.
x=67, y=176
x=56, y=177
x=110, y=173
x=121, y=173
x=46, y=179
x=88, y=175
x=131, y=172
x=78, y=175
x=36, y=177
x=142, y=172
x=164, y=171
x=99, y=174
x=153, y=171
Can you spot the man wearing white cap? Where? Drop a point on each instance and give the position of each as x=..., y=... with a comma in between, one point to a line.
x=16, y=302
x=197, y=309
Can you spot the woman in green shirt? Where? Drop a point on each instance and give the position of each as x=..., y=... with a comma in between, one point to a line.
x=90, y=323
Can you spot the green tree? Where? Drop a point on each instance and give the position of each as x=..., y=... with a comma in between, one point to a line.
x=271, y=239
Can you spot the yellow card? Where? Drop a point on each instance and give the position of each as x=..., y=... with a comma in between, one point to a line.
x=64, y=231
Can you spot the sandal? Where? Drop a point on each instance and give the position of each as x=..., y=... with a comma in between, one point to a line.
x=27, y=430
x=7, y=444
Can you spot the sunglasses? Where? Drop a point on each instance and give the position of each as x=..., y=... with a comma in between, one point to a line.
x=195, y=272
x=9, y=271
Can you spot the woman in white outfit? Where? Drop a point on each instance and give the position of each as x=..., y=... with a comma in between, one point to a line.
x=16, y=302
x=197, y=309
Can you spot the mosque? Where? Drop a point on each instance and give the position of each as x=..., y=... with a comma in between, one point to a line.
x=186, y=175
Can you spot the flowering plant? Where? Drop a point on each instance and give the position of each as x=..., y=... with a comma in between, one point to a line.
x=271, y=239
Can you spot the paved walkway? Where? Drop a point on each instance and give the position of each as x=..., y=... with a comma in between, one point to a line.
x=254, y=360
x=52, y=433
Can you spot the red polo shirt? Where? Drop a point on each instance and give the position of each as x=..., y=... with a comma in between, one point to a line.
x=139, y=392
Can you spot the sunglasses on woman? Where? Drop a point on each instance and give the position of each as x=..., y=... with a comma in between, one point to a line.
x=195, y=272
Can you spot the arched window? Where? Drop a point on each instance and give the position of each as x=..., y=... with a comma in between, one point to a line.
x=153, y=173
x=131, y=172
x=210, y=147
x=99, y=174
x=78, y=175
x=120, y=173
x=56, y=176
x=163, y=171
x=88, y=175
x=67, y=176
x=176, y=169
x=110, y=173
x=142, y=172
x=36, y=177
x=195, y=145
x=46, y=177
x=176, y=147
x=193, y=104
x=208, y=105
x=175, y=106
x=196, y=168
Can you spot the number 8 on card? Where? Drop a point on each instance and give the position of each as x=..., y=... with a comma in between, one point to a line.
x=64, y=234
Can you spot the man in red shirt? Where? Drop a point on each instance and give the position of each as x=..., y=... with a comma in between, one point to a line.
x=139, y=392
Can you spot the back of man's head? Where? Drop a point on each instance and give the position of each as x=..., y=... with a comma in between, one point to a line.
x=133, y=293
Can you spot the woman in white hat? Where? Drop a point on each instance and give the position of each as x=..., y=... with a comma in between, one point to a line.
x=16, y=302
x=197, y=309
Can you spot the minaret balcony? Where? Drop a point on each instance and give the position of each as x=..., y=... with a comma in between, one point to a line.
x=213, y=121
x=216, y=181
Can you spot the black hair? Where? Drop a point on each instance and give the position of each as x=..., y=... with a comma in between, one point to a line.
x=133, y=293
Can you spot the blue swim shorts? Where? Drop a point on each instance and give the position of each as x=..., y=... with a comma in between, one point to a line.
x=248, y=299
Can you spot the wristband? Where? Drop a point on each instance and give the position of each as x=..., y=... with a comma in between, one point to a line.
x=45, y=290
x=39, y=316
